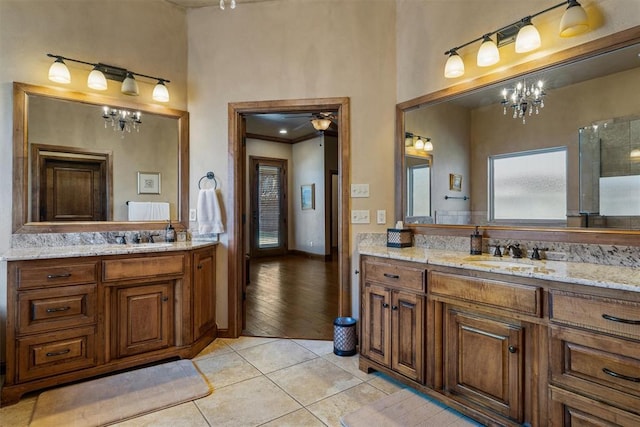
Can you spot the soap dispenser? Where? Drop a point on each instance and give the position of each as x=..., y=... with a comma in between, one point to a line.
x=170, y=233
x=476, y=243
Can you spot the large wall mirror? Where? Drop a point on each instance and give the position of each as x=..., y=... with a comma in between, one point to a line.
x=572, y=164
x=84, y=162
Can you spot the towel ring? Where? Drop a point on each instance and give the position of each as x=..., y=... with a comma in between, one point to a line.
x=209, y=175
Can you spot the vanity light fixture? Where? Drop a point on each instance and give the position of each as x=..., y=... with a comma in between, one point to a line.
x=525, y=35
x=524, y=98
x=97, y=80
x=418, y=142
x=232, y=5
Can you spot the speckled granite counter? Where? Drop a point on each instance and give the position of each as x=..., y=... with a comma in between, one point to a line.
x=44, y=252
x=603, y=276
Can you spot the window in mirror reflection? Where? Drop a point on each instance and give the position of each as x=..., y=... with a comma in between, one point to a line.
x=418, y=186
x=529, y=186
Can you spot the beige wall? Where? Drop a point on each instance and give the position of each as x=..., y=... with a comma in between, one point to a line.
x=296, y=49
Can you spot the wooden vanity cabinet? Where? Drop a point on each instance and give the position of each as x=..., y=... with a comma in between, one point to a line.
x=393, y=316
x=72, y=318
x=594, y=358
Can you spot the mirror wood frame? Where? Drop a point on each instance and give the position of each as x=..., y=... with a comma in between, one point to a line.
x=21, y=94
x=587, y=50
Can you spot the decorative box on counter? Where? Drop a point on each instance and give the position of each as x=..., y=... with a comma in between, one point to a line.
x=399, y=237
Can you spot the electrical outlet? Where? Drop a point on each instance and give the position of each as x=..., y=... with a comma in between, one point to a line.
x=360, y=217
x=192, y=214
x=381, y=216
x=359, y=190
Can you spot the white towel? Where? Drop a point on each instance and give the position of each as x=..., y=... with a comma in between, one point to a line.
x=209, y=214
x=148, y=211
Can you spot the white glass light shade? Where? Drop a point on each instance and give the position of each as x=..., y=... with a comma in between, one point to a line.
x=635, y=154
x=233, y=4
x=321, y=124
x=454, y=66
x=574, y=21
x=428, y=146
x=528, y=39
x=97, y=80
x=419, y=144
x=488, y=53
x=59, y=73
x=129, y=86
x=221, y=4
x=160, y=92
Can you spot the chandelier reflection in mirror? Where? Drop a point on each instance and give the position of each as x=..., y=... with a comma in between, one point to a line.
x=524, y=99
x=122, y=120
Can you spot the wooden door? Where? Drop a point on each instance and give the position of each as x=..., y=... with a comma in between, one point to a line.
x=204, y=292
x=407, y=334
x=376, y=324
x=484, y=362
x=269, y=206
x=72, y=190
x=144, y=318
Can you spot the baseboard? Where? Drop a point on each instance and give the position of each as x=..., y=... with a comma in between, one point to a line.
x=320, y=257
x=224, y=333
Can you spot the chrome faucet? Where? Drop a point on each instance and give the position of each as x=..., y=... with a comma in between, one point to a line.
x=497, y=251
x=516, y=252
x=535, y=252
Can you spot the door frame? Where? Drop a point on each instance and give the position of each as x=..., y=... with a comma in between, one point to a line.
x=237, y=181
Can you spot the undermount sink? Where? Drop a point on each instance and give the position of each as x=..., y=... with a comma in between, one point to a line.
x=150, y=245
x=502, y=264
x=513, y=265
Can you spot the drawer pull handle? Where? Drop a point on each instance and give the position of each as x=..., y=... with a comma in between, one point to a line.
x=58, y=276
x=58, y=353
x=391, y=276
x=621, y=376
x=620, y=320
x=57, y=309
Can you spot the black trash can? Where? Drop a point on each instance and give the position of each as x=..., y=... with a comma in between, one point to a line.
x=344, y=336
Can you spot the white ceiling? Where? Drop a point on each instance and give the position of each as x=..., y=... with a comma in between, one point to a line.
x=205, y=3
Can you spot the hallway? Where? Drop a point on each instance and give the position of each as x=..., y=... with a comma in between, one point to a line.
x=292, y=296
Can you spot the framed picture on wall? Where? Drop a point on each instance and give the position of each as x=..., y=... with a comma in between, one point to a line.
x=308, y=196
x=455, y=182
x=148, y=182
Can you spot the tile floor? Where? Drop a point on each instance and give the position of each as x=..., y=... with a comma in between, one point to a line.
x=269, y=382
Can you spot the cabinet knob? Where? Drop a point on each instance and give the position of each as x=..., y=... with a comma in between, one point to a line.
x=199, y=266
x=385, y=305
x=394, y=307
x=512, y=349
x=165, y=299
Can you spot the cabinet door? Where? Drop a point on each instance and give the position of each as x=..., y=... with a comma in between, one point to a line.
x=484, y=362
x=144, y=318
x=407, y=332
x=204, y=292
x=376, y=324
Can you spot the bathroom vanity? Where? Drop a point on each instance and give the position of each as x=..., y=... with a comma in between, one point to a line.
x=504, y=341
x=82, y=311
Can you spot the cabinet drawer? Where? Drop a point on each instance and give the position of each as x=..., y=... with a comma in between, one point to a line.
x=135, y=268
x=50, y=354
x=395, y=273
x=55, y=273
x=602, y=314
x=49, y=309
x=606, y=368
x=508, y=296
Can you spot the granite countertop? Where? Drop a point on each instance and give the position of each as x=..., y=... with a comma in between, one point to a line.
x=602, y=276
x=44, y=252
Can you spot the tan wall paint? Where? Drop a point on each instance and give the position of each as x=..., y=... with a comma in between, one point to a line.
x=296, y=49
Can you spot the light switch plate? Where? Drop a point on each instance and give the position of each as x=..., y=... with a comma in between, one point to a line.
x=359, y=190
x=192, y=214
x=381, y=216
x=360, y=217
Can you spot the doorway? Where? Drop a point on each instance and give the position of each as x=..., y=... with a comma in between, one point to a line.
x=237, y=219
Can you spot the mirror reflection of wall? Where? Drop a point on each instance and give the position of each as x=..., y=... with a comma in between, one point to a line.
x=154, y=148
x=418, y=186
x=610, y=173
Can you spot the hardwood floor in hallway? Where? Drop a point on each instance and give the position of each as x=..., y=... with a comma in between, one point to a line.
x=292, y=296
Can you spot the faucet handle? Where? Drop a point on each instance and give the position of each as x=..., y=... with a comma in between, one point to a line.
x=497, y=251
x=121, y=240
x=535, y=252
